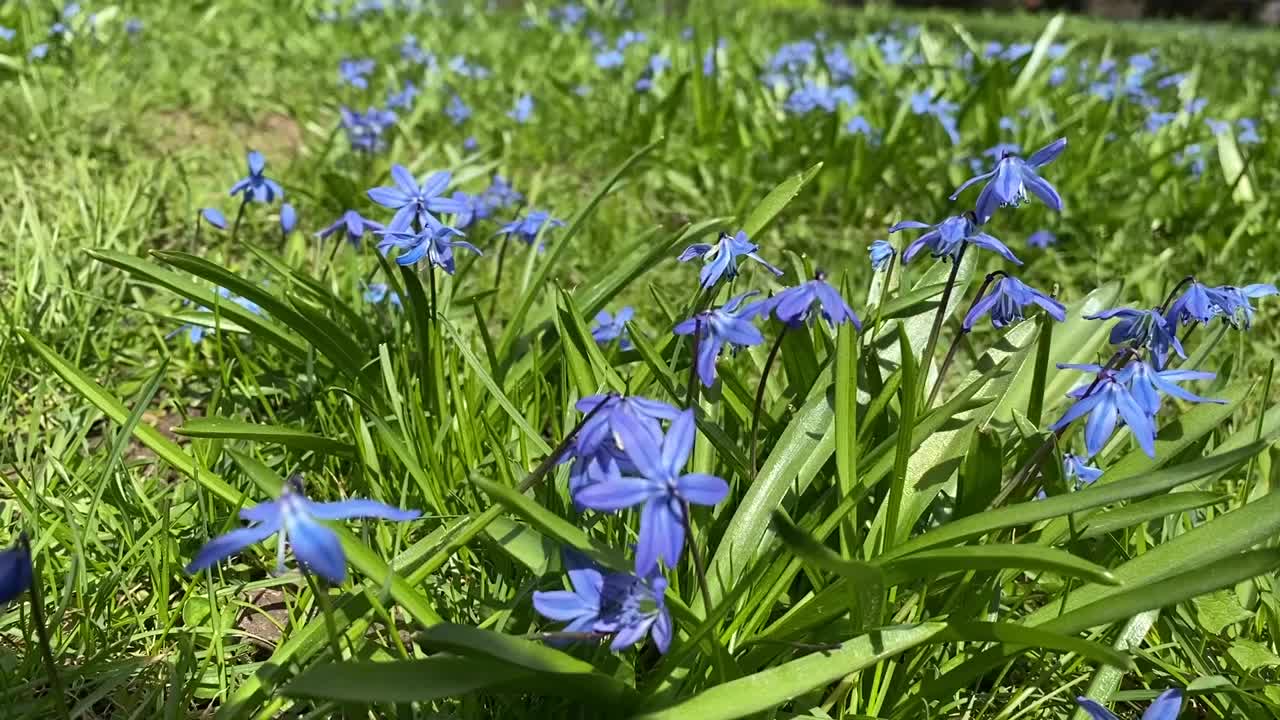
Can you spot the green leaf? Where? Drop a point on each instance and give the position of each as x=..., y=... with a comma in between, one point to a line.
x=552, y=525
x=930, y=563
x=776, y=200
x=404, y=681
x=1234, y=170
x=980, y=473
x=868, y=581
x=1156, y=507
x=524, y=544
x=217, y=427
x=1252, y=655
x=1219, y=609
x=770, y=688
x=1035, y=637
x=1038, y=55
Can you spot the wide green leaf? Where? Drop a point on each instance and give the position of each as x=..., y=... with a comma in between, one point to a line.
x=777, y=199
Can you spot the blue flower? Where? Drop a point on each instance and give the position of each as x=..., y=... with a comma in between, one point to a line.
x=365, y=130
x=470, y=209
x=470, y=144
x=132, y=26
x=500, y=194
x=661, y=487
x=1057, y=76
x=353, y=72
x=609, y=59
x=411, y=51
x=923, y=103
x=7, y=34
x=716, y=328
x=1165, y=707
x=720, y=260
x=1144, y=328
x=457, y=110
x=1078, y=468
x=403, y=99
x=38, y=52
x=947, y=237
x=1192, y=157
x=858, y=125
x=432, y=242
x=1109, y=402
x=1248, y=132
x=793, y=57
x=1012, y=178
x=214, y=217
x=628, y=38
x=793, y=306
x=619, y=603
x=297, y=520
x=881, y=252
x=412, y=200
x=1236, y=301
x=256, y=186
x=353, y=226
x=523, y=109
x=811, y=96
x=1041, y=239
x=459, y=65
x=613, y=327
x=377, y=292
x=1147, y=383
x=527, y=227
x=288, y=218
x=15, y=570
x=614, y=412
x=1006, y=301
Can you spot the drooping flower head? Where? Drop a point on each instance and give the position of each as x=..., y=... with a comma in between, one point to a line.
x=298, y=521
x=621, y=604
x=256, y=186
x=1146, y=384
x=1165, y=707
x=1012, y=178
x=945, y=239
x=434, y=243
x=726, y=325
x=882, y=253
x=1041, y=239
x=528, y=227
x=1109, y=402
x=1078, y=468
x=794, y=305
x=1236, y=308
x=353, y=225
x=1143, y=328
x=1006, y=301
x=413, y=201
x=661, y=485
x=15, y=570
x=720, y=260
x=288, y=219
x=613, y=327
x=214, y=217
x=523, y=109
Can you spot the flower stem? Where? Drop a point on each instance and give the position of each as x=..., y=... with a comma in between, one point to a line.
x=955, y=342
x=322, y=599
x=42, y=632
x=929, y=346
x=755, y=415
x=324, y=271
x=1164, y=306
x=691, y=393
x=698, y=566
x=235, y=228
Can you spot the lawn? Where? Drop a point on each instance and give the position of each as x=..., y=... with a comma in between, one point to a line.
x=430, y=359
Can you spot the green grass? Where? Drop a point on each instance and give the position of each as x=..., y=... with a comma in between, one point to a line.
x=113, y=146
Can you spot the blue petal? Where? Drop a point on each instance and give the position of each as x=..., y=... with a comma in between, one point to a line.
x=1096, y=711
x=256, y=162
x=318, y=549
x=640, y=446
x=358, y=508
x=962, y=188
x=404, y=180
x=702, y=489
x=562, y=605
x=388, y=197
x=694, y=251
x=1042, y=189
x=615, y=495
x=225, y=546
x=15, y=572
x=214, y=217
x=1048, y=153
x=1166, y=706
x=661, y=534
x=678, y=443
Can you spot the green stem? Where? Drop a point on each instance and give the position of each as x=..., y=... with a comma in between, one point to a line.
x=927, y=358
x=235, y=228
x=42, y=632
x=755, y=415
x=698, y=566
x=331, y=625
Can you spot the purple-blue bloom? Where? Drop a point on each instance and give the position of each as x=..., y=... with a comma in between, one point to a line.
x=470, y=209
x=794, y=305
x=947, y=238
x=256, y=186
x=1006, y=302
x=527, y=227
x=214, y=217
x=412, y=200
x=613, y=327
x=354, y=72
x=882, y=253
x=716, y=328
x=288, y=219
x=620, y=603
x=1144, y=328
x=432, y=242
x=1012, y=178
x=500, y=194
x=403, y=100
x=15, y=570
x=1236, y=301
x=1078, y=468
x=297, y=520
x=858, y=125
x=1165, y=707
x=1147, y=383
x=523, y=109
x=353, y=225
x=1041, y=239
x=457, y=110
x=1109, y=402
x=377, y=292
x=661, y=486
x=720, y=260
x=364, y=130
x=7, y=34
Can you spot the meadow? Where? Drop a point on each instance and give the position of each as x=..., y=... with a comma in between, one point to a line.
x=419, y=359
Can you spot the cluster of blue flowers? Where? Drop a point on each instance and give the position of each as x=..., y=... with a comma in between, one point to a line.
x=72, y=24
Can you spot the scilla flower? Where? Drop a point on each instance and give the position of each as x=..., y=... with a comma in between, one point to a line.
x=613, y=327
x=288, y=219
x=794, y=305
x=1006, y=301
x=214, y=217
x=256, y=186
x=1078, y=468
x=715, y=329
x=1012, y=178
x=412, y=200
x=1236, y=303
x=945, y=239
x=881, y=253
x=528, y=227
x=353, y=225
x=1146, y=384
x=1144, y=328
x=623, y=604
x=432, y=243
x=15, y=570
x=720, y=260
x=1108, y=403
x=1165, y=707
x=297, y=520
x=661, y=486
